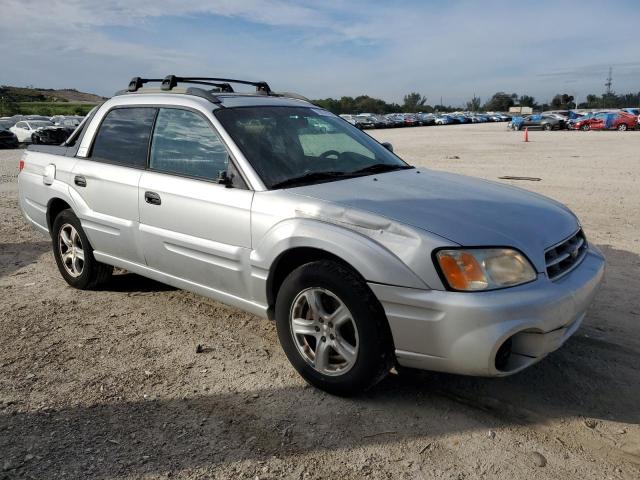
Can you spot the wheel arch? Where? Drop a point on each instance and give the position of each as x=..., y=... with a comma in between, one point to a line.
x=54, y=207
x=294, y=243
x=288, y=261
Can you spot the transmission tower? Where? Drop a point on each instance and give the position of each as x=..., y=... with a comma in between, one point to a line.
x=609, y=82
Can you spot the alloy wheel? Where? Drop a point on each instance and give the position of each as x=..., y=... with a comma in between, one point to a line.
x=71, y=250
x=324, y=331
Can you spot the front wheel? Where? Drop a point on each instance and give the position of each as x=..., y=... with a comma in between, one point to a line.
x=333, y=329
x=585, y=128
x=74, y=254
x=547, y=126
x=622, y=127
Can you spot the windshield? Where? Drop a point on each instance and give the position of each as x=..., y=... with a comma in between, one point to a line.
x=288, y=143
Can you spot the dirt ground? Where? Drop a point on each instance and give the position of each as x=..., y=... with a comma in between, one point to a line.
x=108, y=384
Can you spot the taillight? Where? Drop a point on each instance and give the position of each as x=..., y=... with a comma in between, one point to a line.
x=20, y=165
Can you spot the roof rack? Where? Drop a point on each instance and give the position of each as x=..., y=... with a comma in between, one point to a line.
x=171, y=81
x=223, y=85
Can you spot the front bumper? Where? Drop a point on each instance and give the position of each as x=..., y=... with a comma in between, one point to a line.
x=460, y=332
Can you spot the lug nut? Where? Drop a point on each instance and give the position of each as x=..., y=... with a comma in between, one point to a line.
x=324, y=339
x=317, y=329
x=332, y=337
x=330, y=325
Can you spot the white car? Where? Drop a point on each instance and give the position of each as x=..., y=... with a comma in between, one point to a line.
x=25, y=128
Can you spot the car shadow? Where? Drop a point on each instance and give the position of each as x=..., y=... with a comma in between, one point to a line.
x=593, y=376
x=14, y=256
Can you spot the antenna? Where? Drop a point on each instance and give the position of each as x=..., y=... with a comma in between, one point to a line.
x=609, y=82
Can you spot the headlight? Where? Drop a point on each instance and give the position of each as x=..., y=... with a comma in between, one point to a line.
x=484, y=268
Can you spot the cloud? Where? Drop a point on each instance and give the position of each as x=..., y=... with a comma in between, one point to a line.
x=329, y=48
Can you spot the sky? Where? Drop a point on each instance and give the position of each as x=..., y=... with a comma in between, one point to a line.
x=330, y=48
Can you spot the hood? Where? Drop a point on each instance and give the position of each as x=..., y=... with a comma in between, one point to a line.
x=466, y=210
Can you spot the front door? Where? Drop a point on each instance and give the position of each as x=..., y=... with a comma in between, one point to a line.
x=191, y=226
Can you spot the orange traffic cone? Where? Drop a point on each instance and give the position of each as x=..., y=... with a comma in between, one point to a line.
x=526, y=134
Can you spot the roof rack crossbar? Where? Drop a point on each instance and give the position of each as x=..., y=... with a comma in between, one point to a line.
x=171, y=81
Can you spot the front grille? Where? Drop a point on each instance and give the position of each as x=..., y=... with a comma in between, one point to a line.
x=565, y=256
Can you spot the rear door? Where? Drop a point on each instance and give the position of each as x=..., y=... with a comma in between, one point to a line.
x=193, y=227
x=105, y=184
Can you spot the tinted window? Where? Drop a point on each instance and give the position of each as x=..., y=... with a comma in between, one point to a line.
x=123, y=136
x=185, y=143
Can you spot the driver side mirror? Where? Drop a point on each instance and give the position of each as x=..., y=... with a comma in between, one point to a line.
x=224, y=179
x=388, y=146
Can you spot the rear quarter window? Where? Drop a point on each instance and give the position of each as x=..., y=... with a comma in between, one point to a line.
x=123, y=136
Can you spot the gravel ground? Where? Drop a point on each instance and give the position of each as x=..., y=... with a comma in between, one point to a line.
x=108, y=384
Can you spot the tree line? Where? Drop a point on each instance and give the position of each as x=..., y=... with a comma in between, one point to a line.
x=499, y=102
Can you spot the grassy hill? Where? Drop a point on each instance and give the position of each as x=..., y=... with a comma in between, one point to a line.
x=45, y=101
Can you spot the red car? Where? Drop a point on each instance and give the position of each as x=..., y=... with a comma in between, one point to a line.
x=607, y=121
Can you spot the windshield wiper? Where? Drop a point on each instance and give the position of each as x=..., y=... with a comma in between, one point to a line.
x=310, y=177
x=381, y=168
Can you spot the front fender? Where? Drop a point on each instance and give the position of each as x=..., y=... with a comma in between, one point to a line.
x=370, y=259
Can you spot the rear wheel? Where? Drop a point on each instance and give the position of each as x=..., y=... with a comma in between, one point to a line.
x=585, y=127
x=622, y=127
x=333, y=329
x=547, y=127
x=74, y=254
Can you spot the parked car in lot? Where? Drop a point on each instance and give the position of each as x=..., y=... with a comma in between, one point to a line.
x=25, y=129
x=426, y=119
x=365, y=121
x=396, y=119
x=54, y=135
x=348, y=118
x=541, y=122
x=67, y=121
x=7, y=138
x=633, y=111
x=410, y=120
x=607, y=121
x=362, y=260
x=444, y=120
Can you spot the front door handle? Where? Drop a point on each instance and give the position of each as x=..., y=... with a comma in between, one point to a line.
x=152, y=197
x=80, y=181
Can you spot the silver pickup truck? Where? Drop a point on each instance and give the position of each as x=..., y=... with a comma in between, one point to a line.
x=268, y=203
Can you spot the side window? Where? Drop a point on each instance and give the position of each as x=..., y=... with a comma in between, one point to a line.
x=123, y=137
x=184, y=143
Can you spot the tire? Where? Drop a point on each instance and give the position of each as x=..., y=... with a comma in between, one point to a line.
x=547, y=126
x=363, y=333
x=83, y=272
x=585, y=127
x=622, y=127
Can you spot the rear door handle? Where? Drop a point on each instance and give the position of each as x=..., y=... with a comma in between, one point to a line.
x=80, y=181
x=152, y=197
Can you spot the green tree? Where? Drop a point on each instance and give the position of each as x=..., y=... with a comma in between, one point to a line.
x=414, y=102
x=474, y=104
x=527, y=101
x=500, y=102
x=562, y=102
